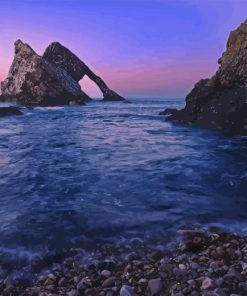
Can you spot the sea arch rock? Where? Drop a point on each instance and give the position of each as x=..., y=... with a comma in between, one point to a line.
x=62, y=58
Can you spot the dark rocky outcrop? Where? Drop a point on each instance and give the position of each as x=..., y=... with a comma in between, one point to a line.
x=63, y=58
x=168, y=111
x=7, y=111
x=49, y=80
x=221, y=101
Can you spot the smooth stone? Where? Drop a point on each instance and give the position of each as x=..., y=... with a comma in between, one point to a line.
x=155, y=286
x=105, y=273
x=207, y=283
x=182, y=266
x=109, y=282
x=219, y=292
x=219, y=282
x=80, y=286
x=127, y=291
x=72, y=293
x=194, y=265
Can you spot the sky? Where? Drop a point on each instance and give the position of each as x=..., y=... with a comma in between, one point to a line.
x=141, y=48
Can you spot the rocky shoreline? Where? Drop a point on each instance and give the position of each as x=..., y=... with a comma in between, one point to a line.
x=203, y=263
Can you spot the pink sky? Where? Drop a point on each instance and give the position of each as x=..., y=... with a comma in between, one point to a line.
x=145, y=48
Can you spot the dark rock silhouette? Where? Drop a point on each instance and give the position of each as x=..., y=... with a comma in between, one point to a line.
x=61, y=57
x=168, y=111
x=7, y=111
x=49, y=80
x=221, y=101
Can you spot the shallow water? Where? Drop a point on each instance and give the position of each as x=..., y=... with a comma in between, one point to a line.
x=105, y=172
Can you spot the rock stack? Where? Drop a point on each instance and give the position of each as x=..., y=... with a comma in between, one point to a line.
x=51, y=79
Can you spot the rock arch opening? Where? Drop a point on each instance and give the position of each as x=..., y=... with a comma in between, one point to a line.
x=90, y=88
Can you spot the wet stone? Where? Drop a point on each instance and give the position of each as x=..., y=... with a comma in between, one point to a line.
x=155, y=286
x=207, y=283
x=127, y=291
x=109, y=282
x=219, y=292
x=105, y=273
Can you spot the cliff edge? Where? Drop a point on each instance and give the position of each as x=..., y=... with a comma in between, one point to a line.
x=220, y=102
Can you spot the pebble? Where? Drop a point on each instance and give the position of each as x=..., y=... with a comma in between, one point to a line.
x=127, y=291
x=105, y=273
x=194, y=265
x=81, y=286
x=219, y=282
x=207, y=283
x=155, y=286
x=182, y=266
x=219, y=292
x=109, y=282
x=72, y=293
x=142, y=282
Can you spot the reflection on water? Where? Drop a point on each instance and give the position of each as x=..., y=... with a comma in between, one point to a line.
x=107, y=171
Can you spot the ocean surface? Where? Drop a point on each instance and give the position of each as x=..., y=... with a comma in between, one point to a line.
x=109, y=172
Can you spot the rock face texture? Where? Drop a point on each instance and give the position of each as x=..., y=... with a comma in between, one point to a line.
x=221, y=101
x=49, y=80
x=63, y=58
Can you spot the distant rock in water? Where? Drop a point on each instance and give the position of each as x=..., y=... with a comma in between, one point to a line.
x=221, y=101
x=49, y=80
x=7, y=111
x=168, y=111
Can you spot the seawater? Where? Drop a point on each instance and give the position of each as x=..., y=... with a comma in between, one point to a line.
x=109, y=171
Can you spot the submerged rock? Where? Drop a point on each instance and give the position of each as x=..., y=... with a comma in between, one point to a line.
x=168, y=111
x=7, y=111
x=221, y=101
x=51, y=79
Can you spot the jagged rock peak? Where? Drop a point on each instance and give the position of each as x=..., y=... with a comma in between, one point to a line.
x=33, y=80
x=63, y=58
x=20, y=46
x=233, y=63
